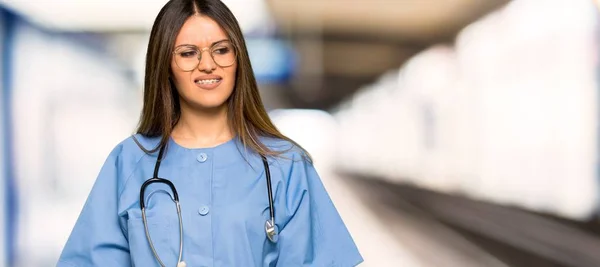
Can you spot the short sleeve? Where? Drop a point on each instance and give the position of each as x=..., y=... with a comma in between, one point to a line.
x=98, y=238
x=315, y=234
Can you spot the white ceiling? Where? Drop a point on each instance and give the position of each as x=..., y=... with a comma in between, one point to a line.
x=120, y=15
x=402, y=19
x=408, y=18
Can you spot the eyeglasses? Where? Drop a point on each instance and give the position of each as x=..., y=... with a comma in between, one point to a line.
x=188, y=57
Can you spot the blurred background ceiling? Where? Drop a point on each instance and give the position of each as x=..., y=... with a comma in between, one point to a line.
x=416, y=21
x=422, y=21
x=131, y=16
x=345, y=44
x=341, y=44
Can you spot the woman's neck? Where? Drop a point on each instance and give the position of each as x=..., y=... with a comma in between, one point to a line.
x=197, y=129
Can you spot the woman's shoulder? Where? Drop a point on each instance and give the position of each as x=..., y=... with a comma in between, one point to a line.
x=288, y=151
x=133, y=147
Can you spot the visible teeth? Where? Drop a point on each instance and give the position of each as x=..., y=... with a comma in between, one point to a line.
x=207, y=81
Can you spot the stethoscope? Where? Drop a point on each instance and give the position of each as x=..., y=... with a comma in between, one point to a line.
x=270, y=227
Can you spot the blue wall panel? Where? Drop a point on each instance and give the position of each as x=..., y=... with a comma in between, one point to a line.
x=9, y=194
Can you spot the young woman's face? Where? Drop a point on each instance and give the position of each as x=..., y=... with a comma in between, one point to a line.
x=205, y=84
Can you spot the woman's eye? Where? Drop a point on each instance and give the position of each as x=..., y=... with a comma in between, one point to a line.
x=222, y=50
x=188, y=54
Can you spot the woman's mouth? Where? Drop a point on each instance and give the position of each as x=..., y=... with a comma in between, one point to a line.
x=208, y=83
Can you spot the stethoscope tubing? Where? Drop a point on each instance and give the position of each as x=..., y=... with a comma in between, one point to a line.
x=270, y=228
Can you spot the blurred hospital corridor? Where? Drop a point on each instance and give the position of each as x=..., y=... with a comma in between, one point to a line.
x=455, y=133
x=405, y=225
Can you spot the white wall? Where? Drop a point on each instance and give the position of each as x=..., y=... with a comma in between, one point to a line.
x=507, y=114
x=72, y=105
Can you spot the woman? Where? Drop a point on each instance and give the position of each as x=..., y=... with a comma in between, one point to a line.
x=204, y=128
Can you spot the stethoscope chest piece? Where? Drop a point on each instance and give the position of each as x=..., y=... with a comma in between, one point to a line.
x=272, y=231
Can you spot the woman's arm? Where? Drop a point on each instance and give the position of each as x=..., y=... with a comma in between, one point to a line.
x=315, y=234
x=98, y=238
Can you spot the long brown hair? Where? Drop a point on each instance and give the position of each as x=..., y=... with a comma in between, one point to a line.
x=247, y=116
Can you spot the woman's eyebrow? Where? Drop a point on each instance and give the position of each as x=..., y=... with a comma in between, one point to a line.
x=197, y=46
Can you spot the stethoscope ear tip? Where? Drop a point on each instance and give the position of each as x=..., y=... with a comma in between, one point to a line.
x=181, y=264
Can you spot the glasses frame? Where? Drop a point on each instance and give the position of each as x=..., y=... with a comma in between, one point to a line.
x=202, y=50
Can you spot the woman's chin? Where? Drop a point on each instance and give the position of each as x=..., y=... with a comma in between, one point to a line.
x=208, y=105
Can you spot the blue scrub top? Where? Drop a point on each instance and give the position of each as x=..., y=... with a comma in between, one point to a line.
x=224, y=204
